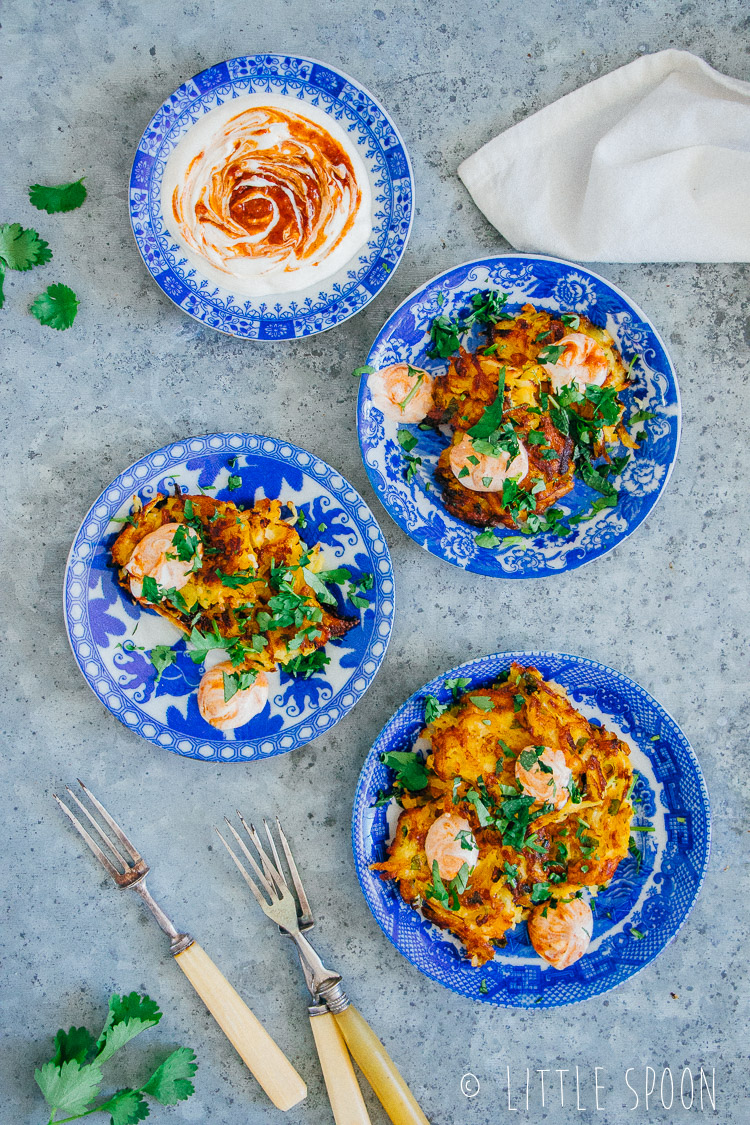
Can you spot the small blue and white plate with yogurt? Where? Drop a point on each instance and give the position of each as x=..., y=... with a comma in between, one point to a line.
x=271, y=197
x=635, y=916
x=113, y=638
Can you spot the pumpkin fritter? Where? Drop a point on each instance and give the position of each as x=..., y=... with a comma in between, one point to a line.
x=251, y=581
x=563, y=429
x=531, y=857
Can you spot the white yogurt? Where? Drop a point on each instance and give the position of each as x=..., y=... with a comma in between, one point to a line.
x=310, y=215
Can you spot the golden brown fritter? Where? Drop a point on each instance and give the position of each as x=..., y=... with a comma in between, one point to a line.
x=486, y=509
x=528, y=852
x=234, y=590
x=470, y=386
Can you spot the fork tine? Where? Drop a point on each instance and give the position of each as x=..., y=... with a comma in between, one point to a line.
x=277, y=875
x=271, y=872
x=241, y=868
x=267, y=887
x=111, y=822
x=277, y=861
x=307, y=915
x=106, y=864
x=99, y=830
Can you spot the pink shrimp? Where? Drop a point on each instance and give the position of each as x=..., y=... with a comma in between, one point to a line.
x=482, y=472
x=450, y=843
x=244, y=705
x=547, y=786
x=561, y=935
x=155, y=557
x=402, y=392
x=583, y=361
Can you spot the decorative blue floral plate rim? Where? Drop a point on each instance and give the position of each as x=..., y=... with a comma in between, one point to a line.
x=111, y=636
x=646, y=903
x=416, y=505
x=306, y=312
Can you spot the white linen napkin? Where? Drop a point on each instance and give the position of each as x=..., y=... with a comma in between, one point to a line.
x=650, y=163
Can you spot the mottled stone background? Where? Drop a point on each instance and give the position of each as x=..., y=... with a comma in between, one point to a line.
x=79, y=83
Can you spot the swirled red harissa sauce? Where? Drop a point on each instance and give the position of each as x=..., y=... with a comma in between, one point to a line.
x=269, y=197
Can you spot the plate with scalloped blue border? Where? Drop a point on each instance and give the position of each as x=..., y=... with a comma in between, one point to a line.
x=111, y=636
x=645, y=904
x=303, y=312
x=558, y=286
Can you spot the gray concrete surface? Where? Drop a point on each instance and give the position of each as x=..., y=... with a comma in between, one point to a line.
x=669, y=607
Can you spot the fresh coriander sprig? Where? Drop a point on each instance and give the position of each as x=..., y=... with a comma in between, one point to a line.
x=21, y=249
x=72, y=1078
x=61, y=197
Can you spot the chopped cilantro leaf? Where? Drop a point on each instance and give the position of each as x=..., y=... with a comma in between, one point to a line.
x=366, y=369
x=161, y=656
x=236, y=580
x=21, y=249
x=444, y=337
x=61, y=197
x=531, y=756
x=237, y=681
x=303, y=667
x=433, y=708
x=576, y=793
x=409, y=768
x=56, y=307
x=483, y=702
x=457, y=685
x=406, y=440
x=492, y=416
x=487, y=307
x=414, y=373
x=540, y=892
x=234, y=482
x=518, y=702
x=487, y=538
x=551, y=353
x=317, y=584
x=483, y=813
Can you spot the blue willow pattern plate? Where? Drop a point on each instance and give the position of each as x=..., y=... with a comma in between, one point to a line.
x=643, y=907
x=110, y=635
x=304, y=312
x=552, y=284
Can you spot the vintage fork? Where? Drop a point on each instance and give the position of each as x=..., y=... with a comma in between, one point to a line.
x=330, y=1002
x=259, y=1052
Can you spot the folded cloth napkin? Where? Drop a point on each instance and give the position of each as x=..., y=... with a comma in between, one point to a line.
x=650, y=163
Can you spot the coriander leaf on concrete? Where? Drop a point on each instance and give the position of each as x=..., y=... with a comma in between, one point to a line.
x=21, y=249
x=126, y=1107
x=60, y=197
x=170, y=1083
x=56, y=307
x=69, y=1087
x=72, y=1045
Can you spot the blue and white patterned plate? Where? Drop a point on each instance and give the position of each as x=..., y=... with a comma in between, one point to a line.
x=552, y=284
x=304, y=312
x=110, y=635
x=646, y=903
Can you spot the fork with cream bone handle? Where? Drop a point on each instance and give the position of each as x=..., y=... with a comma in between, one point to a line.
x=259, y=1052
x=333, y=1019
